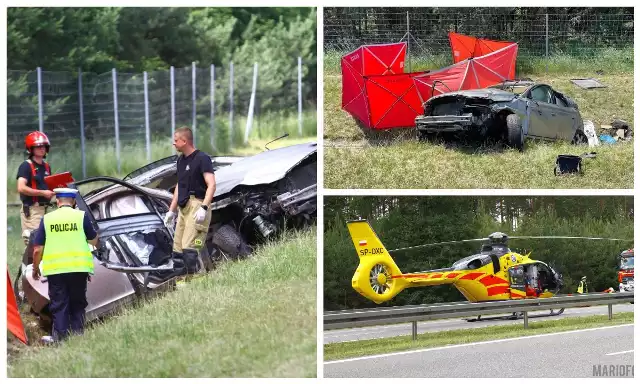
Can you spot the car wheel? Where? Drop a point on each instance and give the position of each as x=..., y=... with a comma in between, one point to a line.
x=515, y=136
x=229, y=241
x=579, y=138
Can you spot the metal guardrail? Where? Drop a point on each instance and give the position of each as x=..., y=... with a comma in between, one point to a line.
x=415, y=313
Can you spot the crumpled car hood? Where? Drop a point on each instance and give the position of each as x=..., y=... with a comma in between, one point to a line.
x=493, y=94
x=263, y=168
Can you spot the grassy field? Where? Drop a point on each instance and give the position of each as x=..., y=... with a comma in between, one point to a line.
x=336, y=351
x=357, y=157
x=254, y=318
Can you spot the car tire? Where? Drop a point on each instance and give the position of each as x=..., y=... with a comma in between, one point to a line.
x=229, y=241
x=515, y=136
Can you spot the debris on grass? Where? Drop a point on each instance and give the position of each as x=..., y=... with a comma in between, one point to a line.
x=589, y=83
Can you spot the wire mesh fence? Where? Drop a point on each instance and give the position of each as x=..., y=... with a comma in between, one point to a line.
x=139, y=111
x=538, y=31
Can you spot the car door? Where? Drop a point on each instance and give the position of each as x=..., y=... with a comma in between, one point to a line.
x=541, y=121
x=565, y=117
x=125, y=237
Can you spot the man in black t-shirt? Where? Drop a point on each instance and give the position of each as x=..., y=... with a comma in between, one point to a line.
x=193, y=195
x=34, y=193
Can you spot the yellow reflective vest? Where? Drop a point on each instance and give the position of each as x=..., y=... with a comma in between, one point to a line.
x=66, y=249
x=582, y=287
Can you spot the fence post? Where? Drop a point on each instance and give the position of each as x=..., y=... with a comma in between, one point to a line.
x=231, y=105
x=40, y=106
x=251, y=104
x=146, y=116
x=408, y=42
x=299, y=96
x=173, y=107
x=546, y=16
x=81, y=107
x=193, y=100
x=213, y=105
x=115, y=115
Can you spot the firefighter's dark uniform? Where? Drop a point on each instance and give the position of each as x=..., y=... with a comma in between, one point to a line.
x=33, y=207
x=66, y=263
x=190, y=236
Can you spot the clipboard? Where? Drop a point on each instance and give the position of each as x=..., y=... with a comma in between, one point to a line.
x=59, y=180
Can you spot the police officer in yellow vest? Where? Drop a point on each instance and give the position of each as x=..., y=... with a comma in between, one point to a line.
x=582, y=286
x=62, y=254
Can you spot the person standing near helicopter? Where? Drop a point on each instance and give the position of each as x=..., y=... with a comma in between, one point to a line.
x=582, y=286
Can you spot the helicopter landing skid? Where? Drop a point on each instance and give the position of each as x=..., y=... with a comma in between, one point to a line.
x=516, y=316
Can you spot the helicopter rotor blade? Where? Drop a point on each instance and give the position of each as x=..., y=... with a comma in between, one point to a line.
x=568, y=237
x=440, y=243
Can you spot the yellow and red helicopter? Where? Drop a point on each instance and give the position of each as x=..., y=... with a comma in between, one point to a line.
x=495, y=273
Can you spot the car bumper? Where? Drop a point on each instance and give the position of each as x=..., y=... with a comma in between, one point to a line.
x=446, y=123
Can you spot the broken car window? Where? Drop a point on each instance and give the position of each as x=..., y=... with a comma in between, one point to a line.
x=541, y=94
x=560, y=101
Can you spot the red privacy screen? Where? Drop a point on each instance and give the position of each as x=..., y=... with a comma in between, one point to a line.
x=377, y=92
x=375, y=89
x=473, y=73
x=464, y=47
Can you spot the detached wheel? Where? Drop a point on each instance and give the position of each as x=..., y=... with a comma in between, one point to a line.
x=515, y=136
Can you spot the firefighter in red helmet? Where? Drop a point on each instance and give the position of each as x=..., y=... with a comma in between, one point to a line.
x=34, y=194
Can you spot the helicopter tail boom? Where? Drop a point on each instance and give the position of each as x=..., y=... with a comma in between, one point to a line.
x=377, y=277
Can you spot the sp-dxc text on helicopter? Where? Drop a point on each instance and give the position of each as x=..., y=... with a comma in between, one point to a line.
x=495, y=273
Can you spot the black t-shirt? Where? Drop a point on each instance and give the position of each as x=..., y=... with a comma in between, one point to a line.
x=41, y=171
x=190, y=176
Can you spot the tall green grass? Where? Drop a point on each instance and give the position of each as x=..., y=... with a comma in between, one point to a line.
x=253, y=318
x=608, y=60
x=101, y=155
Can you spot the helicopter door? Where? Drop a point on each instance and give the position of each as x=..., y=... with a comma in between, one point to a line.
x=517, y=282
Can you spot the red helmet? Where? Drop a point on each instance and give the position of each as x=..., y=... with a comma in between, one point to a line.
x=35, y=139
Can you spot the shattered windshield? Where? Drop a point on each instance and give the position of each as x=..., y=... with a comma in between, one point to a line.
x=517, y=87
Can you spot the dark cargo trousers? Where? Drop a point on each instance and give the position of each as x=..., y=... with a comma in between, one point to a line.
x=67, y=303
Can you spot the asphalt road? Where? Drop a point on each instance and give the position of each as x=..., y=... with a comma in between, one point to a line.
x=382, y=331
x=563, y=354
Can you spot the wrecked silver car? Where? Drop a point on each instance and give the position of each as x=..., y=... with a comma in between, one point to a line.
x=256, y=198
x=511, y=111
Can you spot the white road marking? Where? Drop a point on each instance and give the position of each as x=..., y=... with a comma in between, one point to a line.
x=472, y=344
x=618, y=353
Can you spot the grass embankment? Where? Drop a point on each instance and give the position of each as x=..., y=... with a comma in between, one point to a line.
x=357, y=157
x=336, y=351
x=102, y=161
x=253, y=318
